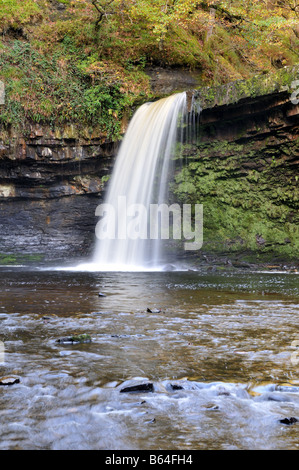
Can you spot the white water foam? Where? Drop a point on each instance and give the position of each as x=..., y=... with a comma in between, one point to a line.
x=141, y=175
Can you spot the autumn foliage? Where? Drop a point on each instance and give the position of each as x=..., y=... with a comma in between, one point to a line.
x=72, y=60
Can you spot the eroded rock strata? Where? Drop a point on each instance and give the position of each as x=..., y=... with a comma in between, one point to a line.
x=51, y=183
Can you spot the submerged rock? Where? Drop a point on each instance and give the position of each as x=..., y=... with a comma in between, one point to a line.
x=274, y=397
x=213, y=408
x=176, y=387
x=85, y=338
x=9, y=381
x=120, y=336
x=277, y=397
x=147, y=387
x=154, y=310
x=151, y=421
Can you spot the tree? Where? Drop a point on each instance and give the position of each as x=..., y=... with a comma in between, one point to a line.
x=104, y=8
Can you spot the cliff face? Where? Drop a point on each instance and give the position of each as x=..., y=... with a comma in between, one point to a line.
x=242, y=166
x=50, y=184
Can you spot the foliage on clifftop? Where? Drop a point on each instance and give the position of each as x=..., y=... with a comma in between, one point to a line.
x=84, y=61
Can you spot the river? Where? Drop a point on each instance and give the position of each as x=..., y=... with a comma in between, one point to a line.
x=216, y=350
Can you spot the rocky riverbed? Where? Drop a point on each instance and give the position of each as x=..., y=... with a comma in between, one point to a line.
x=169, y=360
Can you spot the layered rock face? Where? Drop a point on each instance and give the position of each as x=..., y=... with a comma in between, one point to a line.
x=51, y=182
x=242, y=165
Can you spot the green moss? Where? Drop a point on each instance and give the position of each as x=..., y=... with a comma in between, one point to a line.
x=13, y=259
x=84, y=338
x=7, y=259
x=255, y=86
x=244, y=210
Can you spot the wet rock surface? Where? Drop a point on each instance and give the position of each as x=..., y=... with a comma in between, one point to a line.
x=50, y=185
x=147, y=387
x=76, y=339
x=7, y=381
x=289, y=421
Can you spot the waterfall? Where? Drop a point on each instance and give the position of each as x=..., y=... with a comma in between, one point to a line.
x=139, y=179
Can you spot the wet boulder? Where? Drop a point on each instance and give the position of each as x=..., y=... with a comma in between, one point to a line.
x=176, y=387
x=289, y=421
x=146, y=387
x=5, y=381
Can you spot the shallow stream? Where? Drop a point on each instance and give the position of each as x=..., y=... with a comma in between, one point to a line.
x=220, y=350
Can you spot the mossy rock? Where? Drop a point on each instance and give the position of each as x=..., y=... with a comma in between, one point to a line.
x=9, y=259
x=249, y=204
x=260, y=85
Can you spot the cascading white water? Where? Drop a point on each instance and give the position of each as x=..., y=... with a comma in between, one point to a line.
x=140, y=177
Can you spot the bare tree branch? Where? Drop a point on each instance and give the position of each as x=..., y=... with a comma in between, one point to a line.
x=102, y=10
